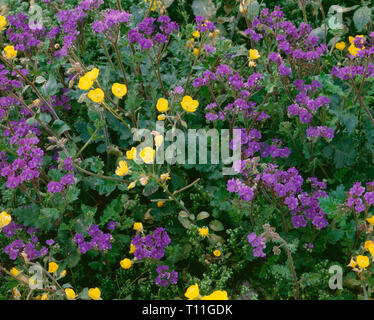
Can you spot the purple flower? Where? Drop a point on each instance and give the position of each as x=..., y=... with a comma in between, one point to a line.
x=54, y=187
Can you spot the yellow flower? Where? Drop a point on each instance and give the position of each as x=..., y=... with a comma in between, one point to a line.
x=70, y=294
x=362, y=261
x=122, y=169
x=131, y=155
x=352, y=39
x=353, y=50
x=5, y=219
x=131, y=185
x=2, y=22
x=161, y=117
x=196, y=34
x=340, y=45
x=253, y=54
x=371, y=250
x=368, y=244
x=138, y=226
x=85, y=83
x=52, y=267
x=159, y=139
x=63, y=273
x=352, y=263
x=196, y=52
x=119, y=90
x=162, y=105
x=189, y=104
x=94, y=293
x=204, y=231
x=126, y=263
x=14, y=272
x=44, y=296
x=165, y=176
x=217, y=253
x=132, y=248
x=216, y=295
x=10, y=52
x=160, y=204
x=192, y=292
x=93, y=74
x=370, y=220
x=96, y=95
x=251, y=64
x=148, y=155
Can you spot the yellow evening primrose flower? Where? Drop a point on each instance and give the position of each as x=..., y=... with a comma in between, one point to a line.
x=132, y=248
x=122, y=168
x=131, y=154
x=353, y=50
x=85, y=83
x=70, y=294
x=2, y=22
x=5, y=219
x=253, y=54
x=216, y=295
x=196, y=34
x=340, y=45
x=189, y=104
x=160, y=204
x=165, y=176
x=217, y=253
x=204, y=231
x=352, y=39
x=148, y=155
x=94, y=293
x=44, y=296
x=159, y=139
x=161, y=117
x=196, y=52
x=370, y=220
x=52, y=267
x=119, y=90
x=14, y=272
x=93, y=74
x=162, y=105
x=10, y=52
x=362, y=261
x=352, y=263
x=192, y=292
x=126, y=263
x=368, y=244
x=131, y=185
x=96, y=95
x=138, y=226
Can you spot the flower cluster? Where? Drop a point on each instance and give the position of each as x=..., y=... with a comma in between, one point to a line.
x=359, y=200
x=99, y=240
x=18, y=247
x=258, y=244
x=112, y=18
x=321, y=131
x=69, y=21
x=164, y=276
x=305, y=105
x=152, y=245
x=21, y=35
x=26, y=166
x=150, y=31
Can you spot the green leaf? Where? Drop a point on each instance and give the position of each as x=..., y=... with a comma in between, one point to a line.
x=202, y=215
x=361, y=17
x=216, y=225
x=59, y=127
x=205, y=8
